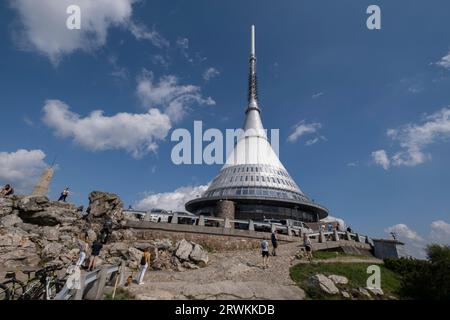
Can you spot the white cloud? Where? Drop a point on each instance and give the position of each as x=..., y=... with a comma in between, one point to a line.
x=174, y=200
x=21, y=168
x=210, y=73
x=140, y=32
x=404, y=231
x=317, y=95
x=352, y=164
x=440, y=232
x=381, y=158
x=416, y=244
x=174, y=98
x=341, y=222
x=310, y=142
x=444, y=62
x=414, y=138
x=138, y=134
x=42, y=25
x=302, y=129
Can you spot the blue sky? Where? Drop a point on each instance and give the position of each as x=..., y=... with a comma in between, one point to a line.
x=370, y=107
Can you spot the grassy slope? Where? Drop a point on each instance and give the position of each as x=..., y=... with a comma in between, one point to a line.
x=354, y=272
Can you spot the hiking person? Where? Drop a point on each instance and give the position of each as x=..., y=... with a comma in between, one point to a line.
x=64, y=195
x=274, y=240
x=143, y=266
x=308, y=246
x=83, y=246
x=349, y=229
x=6, y=191
x=95, y=252
x=265, y=253
x=106, y=231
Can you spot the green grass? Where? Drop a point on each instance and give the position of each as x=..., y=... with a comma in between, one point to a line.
x=356, y=273
x=121, y=294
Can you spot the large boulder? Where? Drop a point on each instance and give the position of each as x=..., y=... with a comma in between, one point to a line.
x=16, y=249
x=105, y=205
x=198, y=255
x=320, y=282
x=6, y=206
x=183, y=250
x=41, y=211
x=10, y=220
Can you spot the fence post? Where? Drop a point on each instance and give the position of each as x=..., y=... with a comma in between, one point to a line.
x=357, y=237
x=289, y=231
x=227, y=224
x=122, y=269
x=322, y=237
x=335, y=236
x=80, y=292
x=201, y=220
x=174, y=218
x=273, y=227
x=251, y=225
x=348, y=236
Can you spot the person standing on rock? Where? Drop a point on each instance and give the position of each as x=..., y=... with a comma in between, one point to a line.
x=143, y=266
x=95, y=252
x=265, y=253
x=274, y=240
x=6, y=191
x=64, y=195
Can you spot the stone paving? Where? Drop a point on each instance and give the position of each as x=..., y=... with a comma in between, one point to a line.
x=229, y=275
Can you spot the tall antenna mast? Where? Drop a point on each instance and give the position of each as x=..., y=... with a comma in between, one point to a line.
x=252, y=81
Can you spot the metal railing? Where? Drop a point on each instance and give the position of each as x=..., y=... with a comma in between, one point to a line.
x=91, y=281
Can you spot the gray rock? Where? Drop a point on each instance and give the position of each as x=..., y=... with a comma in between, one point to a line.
x=364, y=293
x=189, y=265
x=51, y=251
x=199, y=255
x=338, y=279
x=183, y=250
x=49, y=233
x=6, y=206
x=105, y=205
x=91, y=235
x=10, y=220
x=375, y=291
x=345, y=294
x=163, y=244
x=322, y=283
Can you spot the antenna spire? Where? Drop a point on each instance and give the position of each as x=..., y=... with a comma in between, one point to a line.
x=252, y=81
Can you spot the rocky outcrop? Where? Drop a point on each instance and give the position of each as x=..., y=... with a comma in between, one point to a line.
x=35, y=231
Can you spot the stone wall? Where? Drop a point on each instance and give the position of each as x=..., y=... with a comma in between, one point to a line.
x=209, y=242
x=216, y=238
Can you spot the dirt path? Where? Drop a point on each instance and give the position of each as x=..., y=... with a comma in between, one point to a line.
x=229, y=275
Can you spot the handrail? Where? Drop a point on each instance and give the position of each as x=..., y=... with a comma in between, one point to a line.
x=89, y=277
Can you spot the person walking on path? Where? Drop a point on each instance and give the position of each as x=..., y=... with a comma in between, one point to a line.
x=265, y=253
x=143, y=266
x=308, y=246
x=274, y=240
x=95, y=252
x=64, y=195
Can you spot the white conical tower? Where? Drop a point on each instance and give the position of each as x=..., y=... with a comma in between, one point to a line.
x=253, y=176
x=253, y=148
